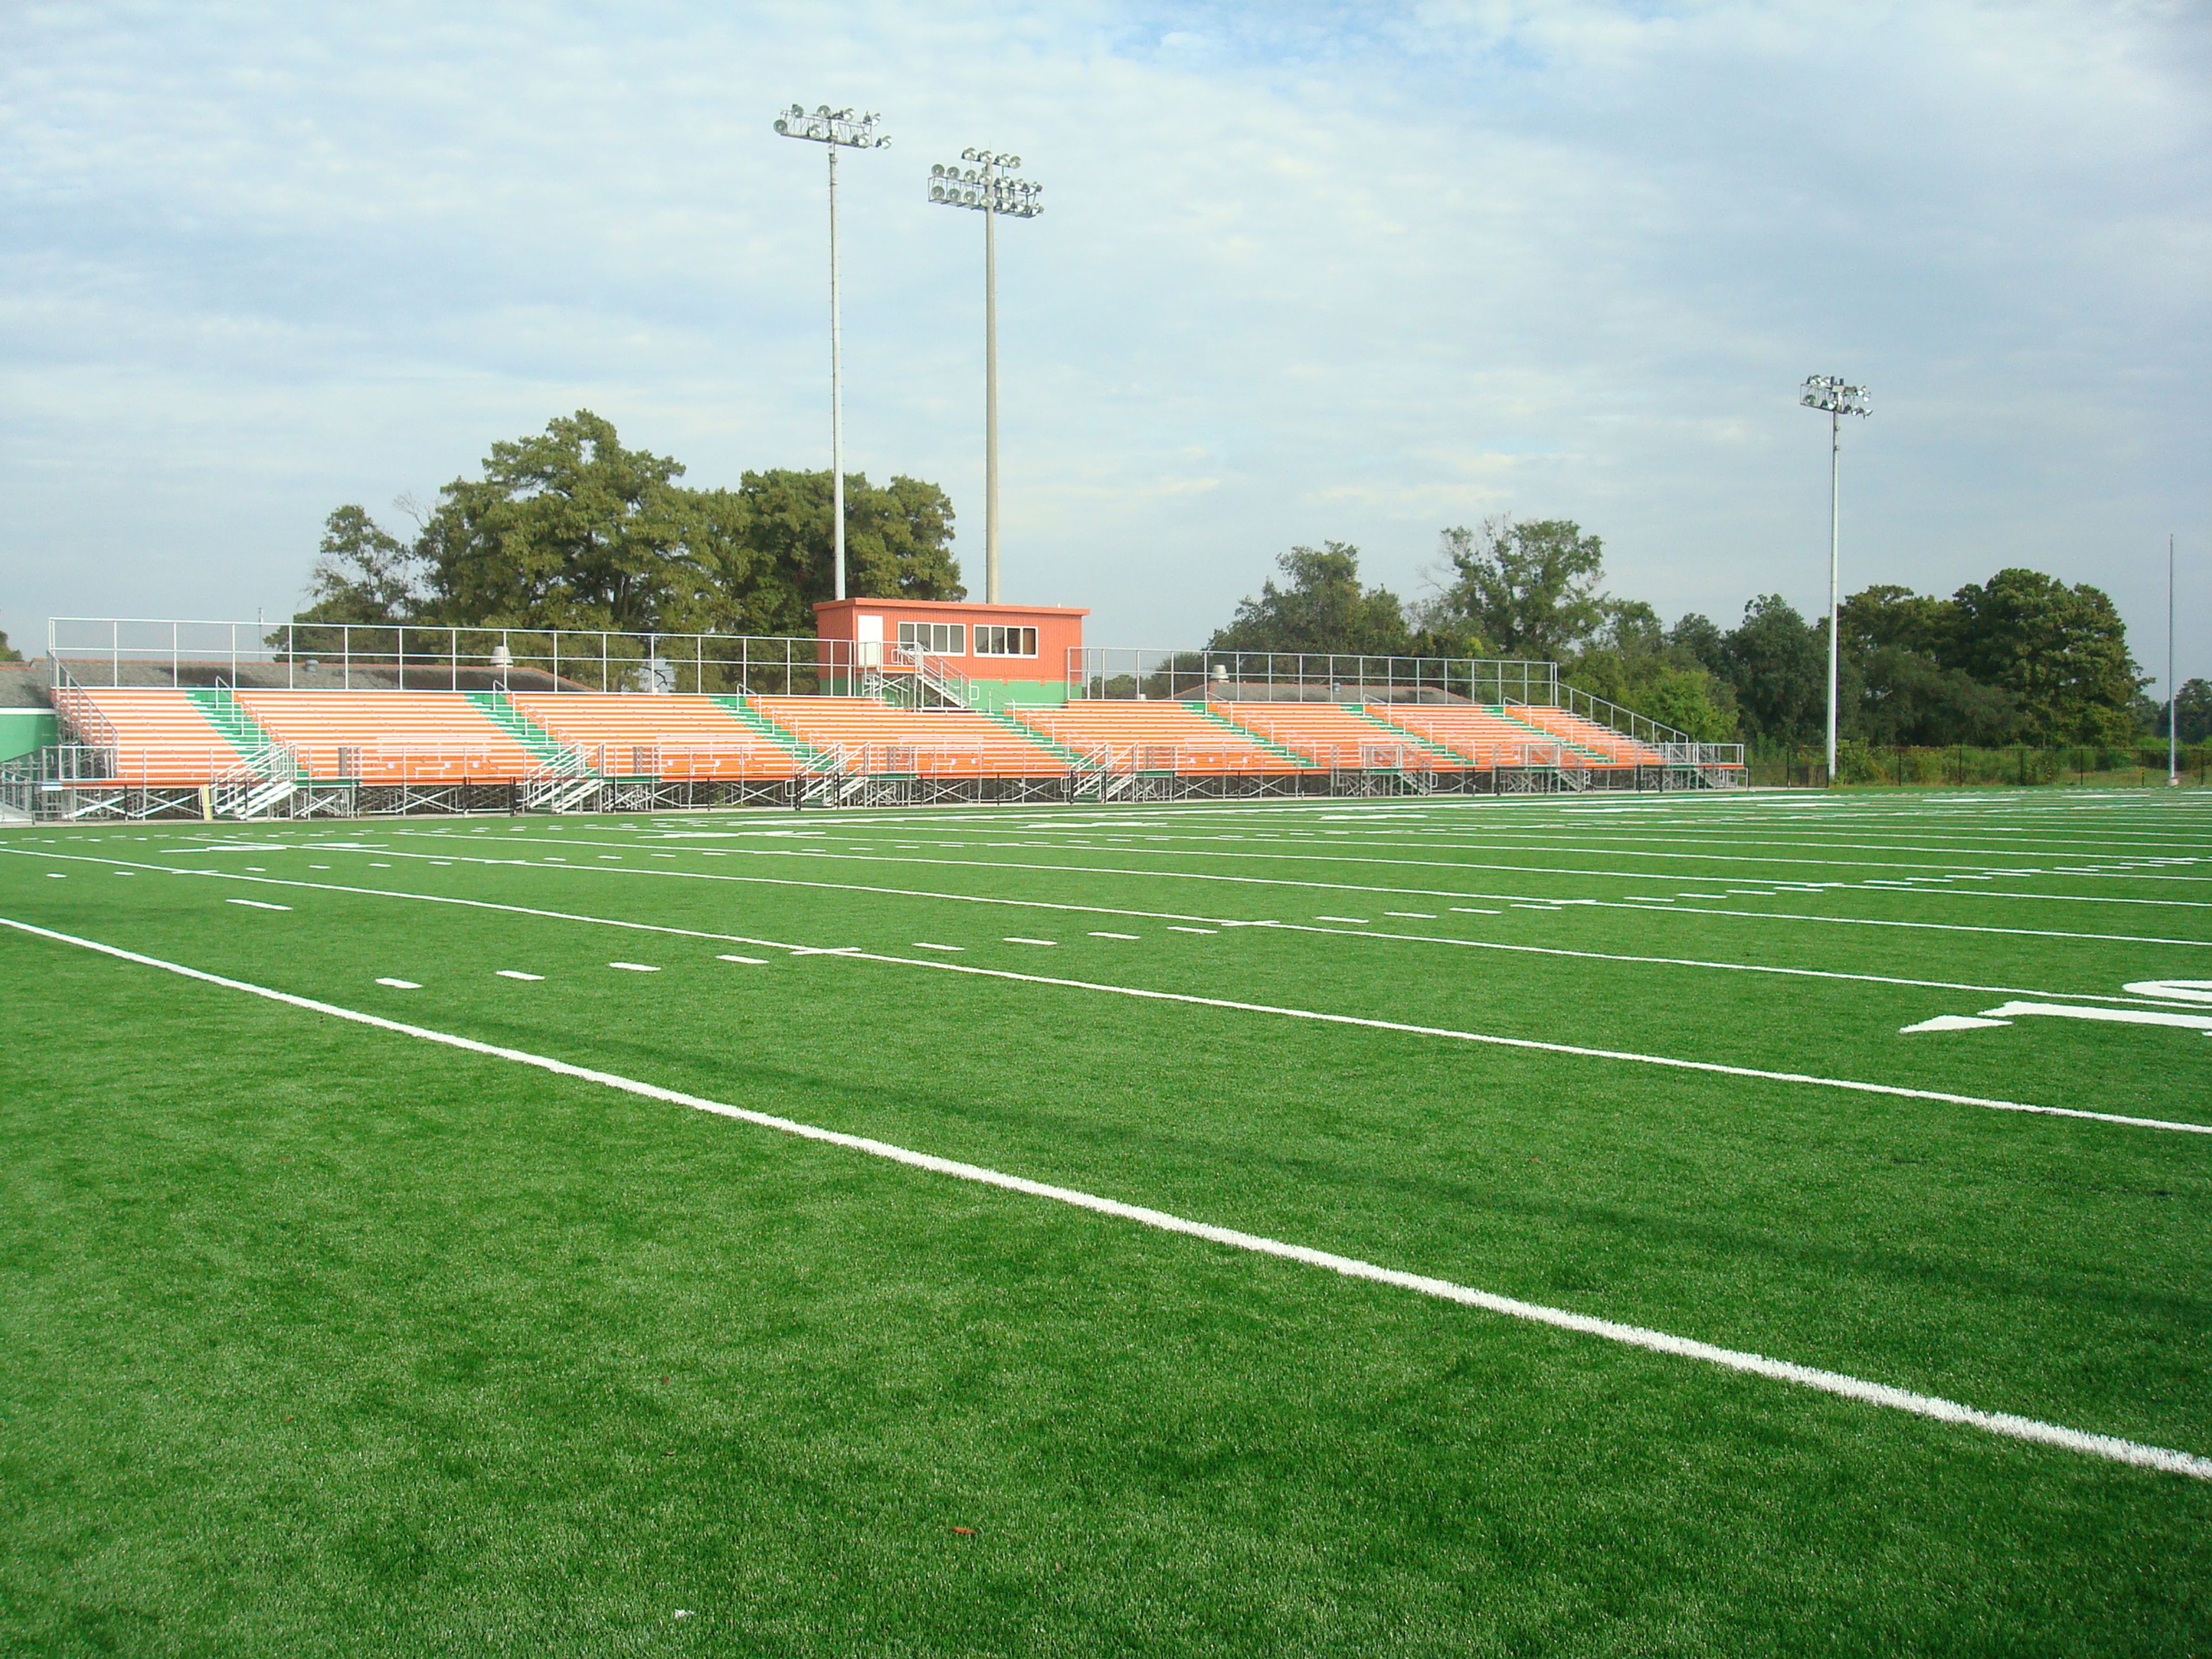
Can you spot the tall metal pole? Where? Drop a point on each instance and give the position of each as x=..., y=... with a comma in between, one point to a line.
x=1835, y=546
x=990, y=389
x=835, y=129
x=2173, y=690
x=984, y=187
x=836, y=399
x=1836, y=398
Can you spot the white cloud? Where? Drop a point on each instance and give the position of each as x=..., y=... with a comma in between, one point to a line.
x=1306, y=272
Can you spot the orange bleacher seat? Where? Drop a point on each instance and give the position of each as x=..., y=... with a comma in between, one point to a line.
x=161, y=737
x=665, y=734
x=1158, y=737
x=1484, y=736
x=1612, y=747
x=392, y=737
x=929, y=742
x=1334, y=735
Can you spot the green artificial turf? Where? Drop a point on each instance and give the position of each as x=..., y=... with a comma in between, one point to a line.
x=323, y=1338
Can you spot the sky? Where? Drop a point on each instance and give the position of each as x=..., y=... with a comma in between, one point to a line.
x=1306, y=272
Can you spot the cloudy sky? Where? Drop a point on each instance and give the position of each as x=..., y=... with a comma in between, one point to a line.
x=1308, y=271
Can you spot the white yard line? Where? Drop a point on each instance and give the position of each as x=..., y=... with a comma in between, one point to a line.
x=1298, y=927
x=2005, y=1424
x=1332, y=887
x=1532, y=1044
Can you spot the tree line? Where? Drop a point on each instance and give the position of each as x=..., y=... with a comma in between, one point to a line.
x=566, y=528
x=569, y=529
x=2019, y=659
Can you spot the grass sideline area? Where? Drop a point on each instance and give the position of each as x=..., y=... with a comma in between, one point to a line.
x=325, y=1338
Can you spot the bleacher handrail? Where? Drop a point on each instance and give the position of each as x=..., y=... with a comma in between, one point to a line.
x=105, y=651
x=1160, y=674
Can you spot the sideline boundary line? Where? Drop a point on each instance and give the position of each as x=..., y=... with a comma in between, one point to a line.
x=2006, y=1424
x=854, y=953
x=1090, y=909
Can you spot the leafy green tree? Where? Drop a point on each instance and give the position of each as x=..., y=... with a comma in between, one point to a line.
x=8, y=652
x=1778, y=664
x=1519, y=590
x=1636, y=662
x=1895, y=644
x=1321, y=607
x=2060, y=652
x=1907, y=697
x=898, y=543
x=363, y=573
x=2192, y=711
x=568, y=528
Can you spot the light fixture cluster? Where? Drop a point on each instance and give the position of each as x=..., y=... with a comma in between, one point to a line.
x=1834, y=397
x=825, y=125
x=984, y=185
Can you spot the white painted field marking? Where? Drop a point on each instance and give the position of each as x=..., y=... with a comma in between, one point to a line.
x=1473, y=910
x=752, y=961
x=1357, y=921
x=2179, y=990
x=57, y=875
x=400, y=984
x=1951, y=1023
x=1833, y=1383
x=514, y=973
x=634, y=967
x=1208, y=931
x=257, y=904
x=1014, y=941
x=1413, y=915
x=1295, y=927
x=924, y=944
x=2119, y=1016
x=1538, y=1045
x=1345, y=887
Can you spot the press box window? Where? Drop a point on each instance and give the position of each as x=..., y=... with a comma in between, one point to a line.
x=938, y=638
x=1006, y=642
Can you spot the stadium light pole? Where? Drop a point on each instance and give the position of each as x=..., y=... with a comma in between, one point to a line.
x=835, y=129
x=984, y=185
x=1838, y=399
x=2172, y=692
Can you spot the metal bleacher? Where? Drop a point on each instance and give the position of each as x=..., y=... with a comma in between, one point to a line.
x=211, y=744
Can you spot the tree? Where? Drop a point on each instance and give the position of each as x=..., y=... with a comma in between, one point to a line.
x=1895, y=643
x=1907, y=697
x=2061, y=652
x=2192, y=711
x=1636, y=663
x=897, y=543
x=1322, y=609
x=8, y=652
x=362, y=573
x=1519, y=590
x=567, y=528
x=1778, y=667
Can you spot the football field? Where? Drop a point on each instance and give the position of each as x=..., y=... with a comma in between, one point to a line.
x=1767, y=1223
